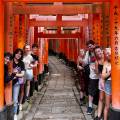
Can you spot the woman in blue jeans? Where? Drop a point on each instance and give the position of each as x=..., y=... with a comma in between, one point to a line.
x=18, y=66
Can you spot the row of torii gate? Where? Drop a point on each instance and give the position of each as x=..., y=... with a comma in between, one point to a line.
x=95, y=10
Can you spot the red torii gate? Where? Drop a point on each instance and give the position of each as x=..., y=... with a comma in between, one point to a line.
x=59, y=35
x=65, y=1
x=52, y=9
x=115, y=43
x=71, y=23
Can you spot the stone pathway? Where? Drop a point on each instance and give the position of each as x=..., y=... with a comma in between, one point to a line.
x=56, y=101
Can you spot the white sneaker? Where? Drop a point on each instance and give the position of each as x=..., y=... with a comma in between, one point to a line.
x=20, y=107
x=15, y=117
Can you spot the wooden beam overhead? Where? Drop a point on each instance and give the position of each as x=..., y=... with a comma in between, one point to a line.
x=65, y=1
x=53, y=10
x=58, y=23
x=55, y=36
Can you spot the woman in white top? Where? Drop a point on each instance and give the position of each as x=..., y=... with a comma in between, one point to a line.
x=28, y=61
x=106, y=76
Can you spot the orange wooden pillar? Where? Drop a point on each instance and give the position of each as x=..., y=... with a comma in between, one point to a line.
x=96, y=29
x=69, y=41
x=27, y=29
x=22, y=31
x=31, y=36
x=54, y=41
x=50, y=45
x=40, y=60
x=59, y=19
x=76, y=50
x=106, y=25
x=97, y=23
x=16, y=32
x=70, y=50
x=57, y=46
x=73, y=45
x=101, y=43
x=63, y=47
x=46, y=51
x=29, y=32
x=67, y=49
x=36, y=69
x=115, y=59
x=19, y=39
x=79, y=44
x=90, y=26
x=85, y=34
x=1, y=55
x=39, y=54
x=36, y=35
x=78, y=47
x=73, y=50
x=9, y=26
x=82, y=40
x=46, y=55
x=99, y=34
x=42, y=51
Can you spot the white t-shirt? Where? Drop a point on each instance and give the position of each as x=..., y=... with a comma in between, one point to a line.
x=27, y=59
x=93, y=74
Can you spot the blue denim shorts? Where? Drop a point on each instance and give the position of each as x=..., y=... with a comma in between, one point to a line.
x=108, y=87
x=29, y=74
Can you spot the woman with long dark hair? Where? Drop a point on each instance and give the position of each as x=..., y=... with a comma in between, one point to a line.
x=18, y=66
